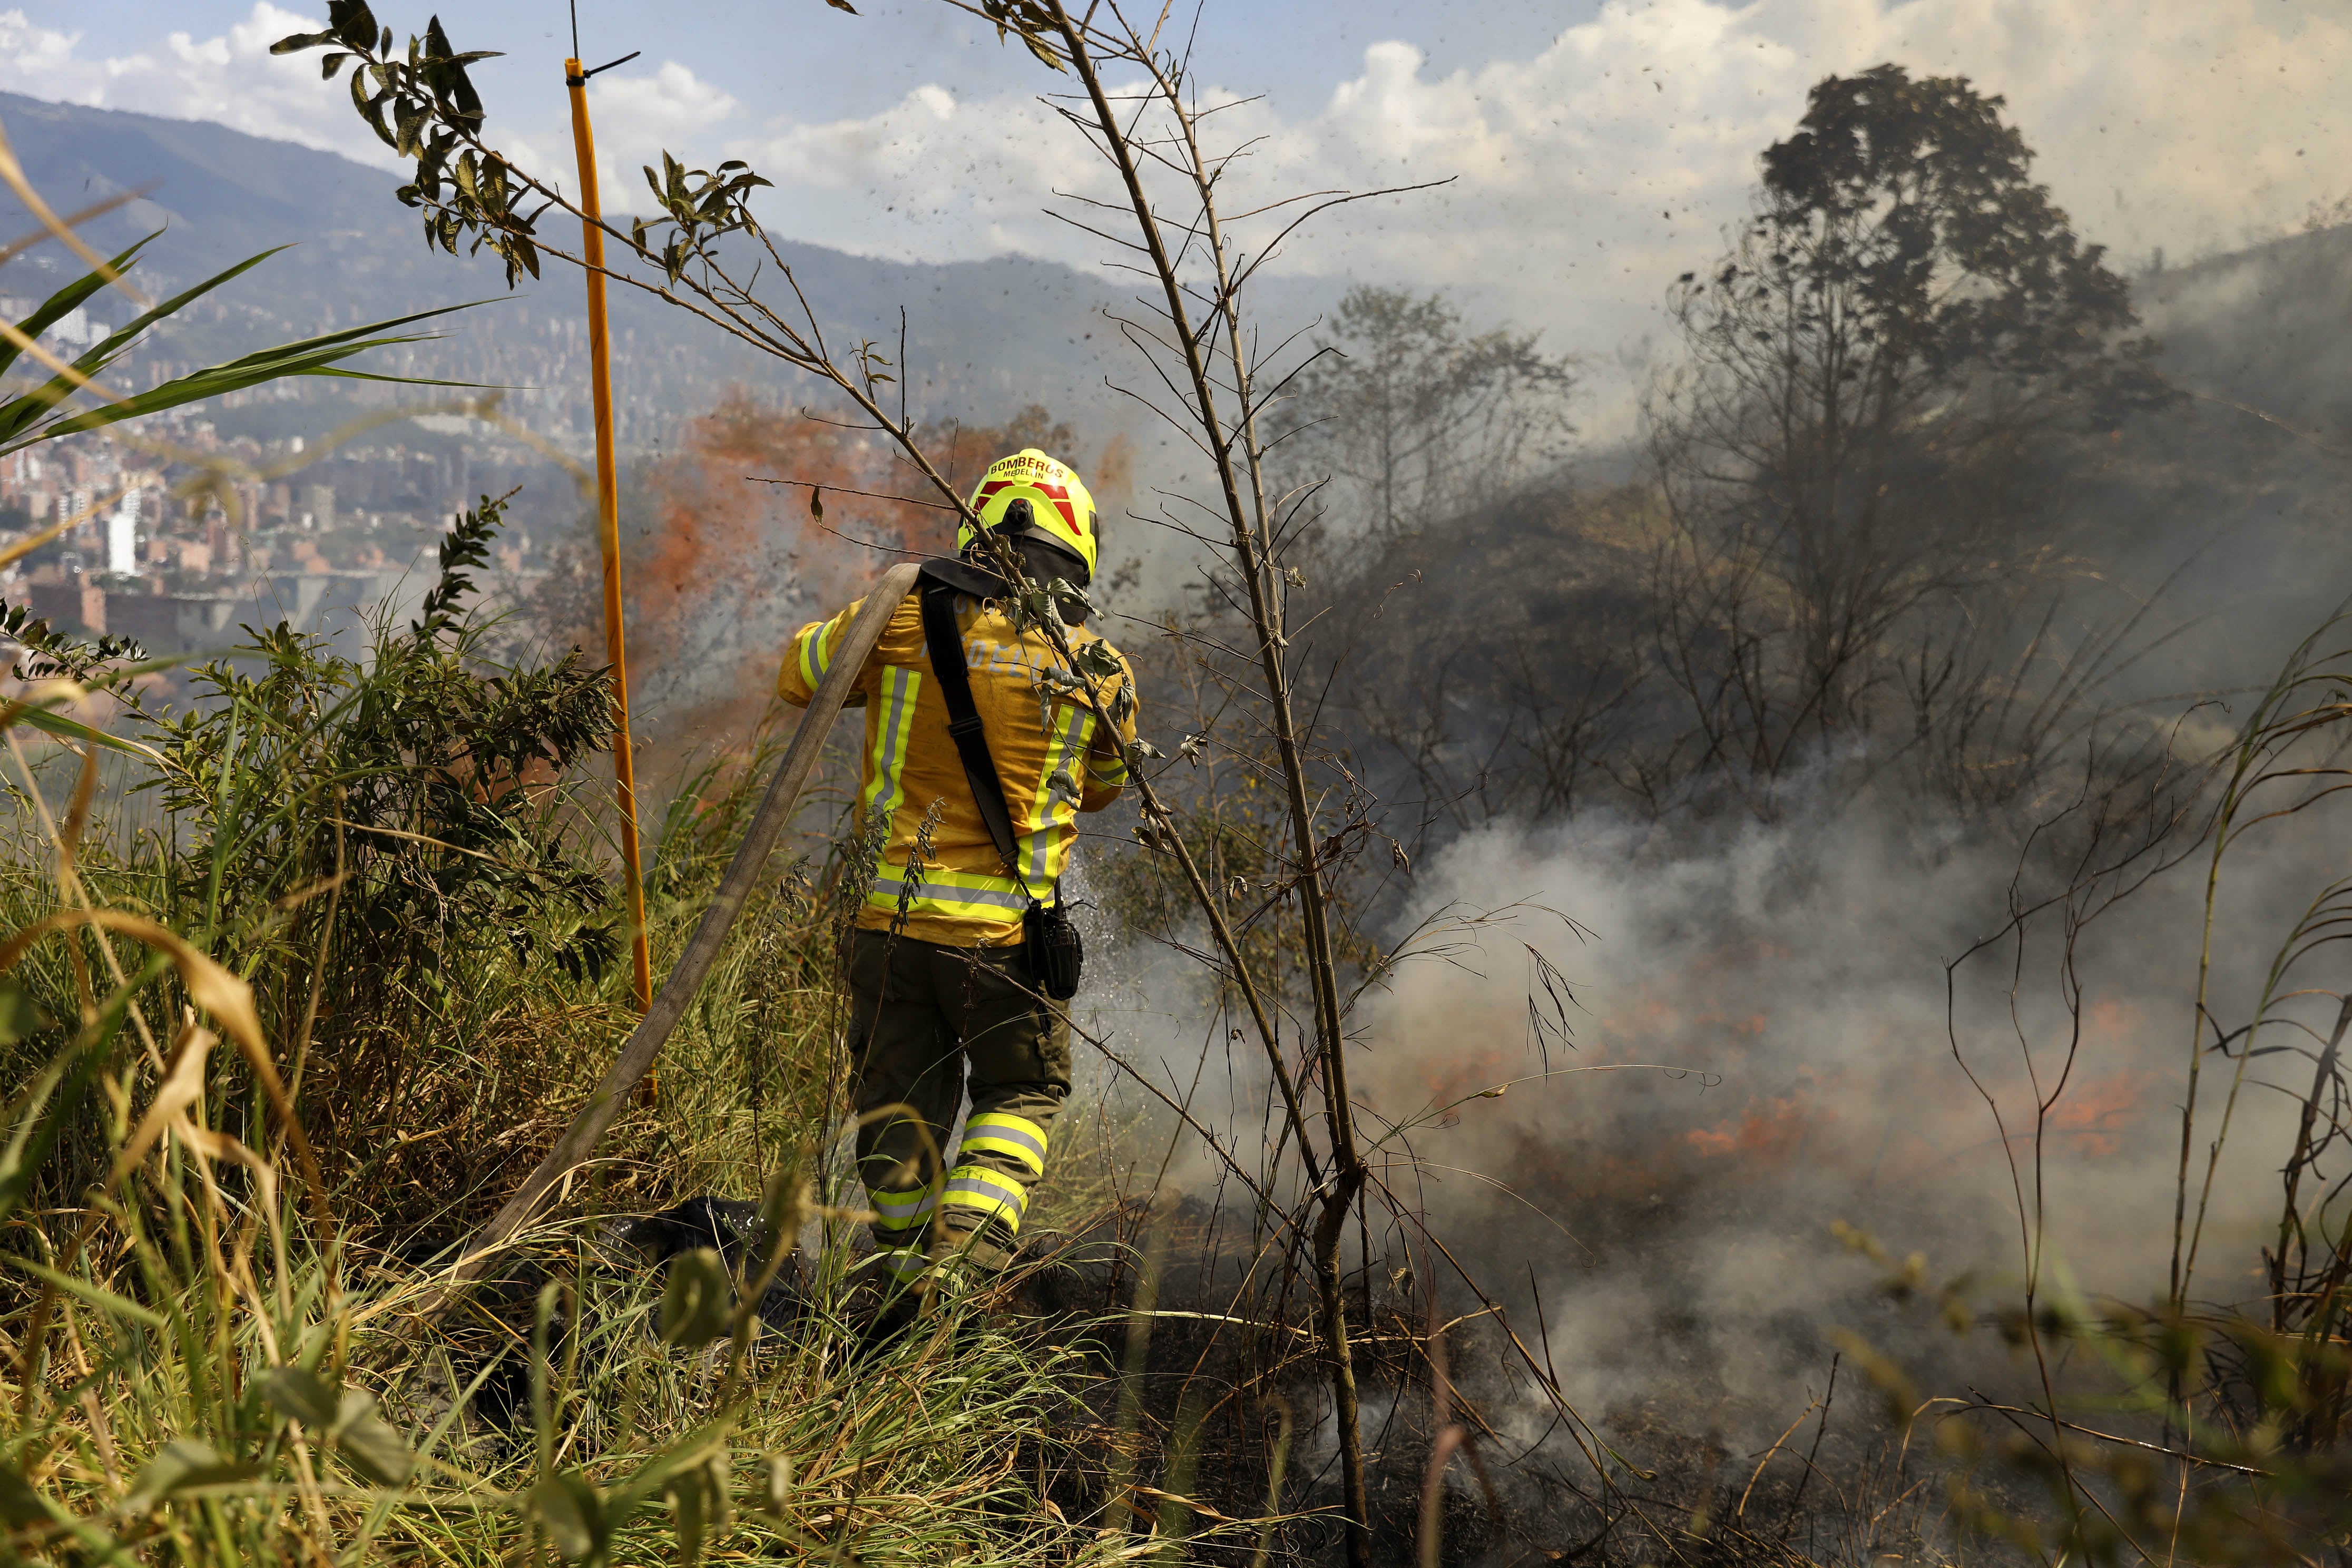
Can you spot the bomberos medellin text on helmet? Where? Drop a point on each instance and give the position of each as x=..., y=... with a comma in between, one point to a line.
x=1060, y=507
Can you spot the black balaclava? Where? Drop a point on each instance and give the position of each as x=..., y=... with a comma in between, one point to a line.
x=1041, y=557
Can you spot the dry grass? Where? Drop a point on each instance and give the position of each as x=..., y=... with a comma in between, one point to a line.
x=209, y=1359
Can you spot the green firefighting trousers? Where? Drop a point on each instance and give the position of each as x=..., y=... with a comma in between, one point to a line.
x=922, y=1013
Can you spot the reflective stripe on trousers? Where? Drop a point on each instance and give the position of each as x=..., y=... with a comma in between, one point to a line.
x=989, y=1195
x=934, y=1021
x=901, y=1211
x=1002, y=1132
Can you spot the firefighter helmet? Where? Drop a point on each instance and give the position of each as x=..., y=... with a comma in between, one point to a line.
x=1054, y=499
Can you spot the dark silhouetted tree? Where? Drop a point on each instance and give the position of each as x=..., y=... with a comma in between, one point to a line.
x=1853, y=456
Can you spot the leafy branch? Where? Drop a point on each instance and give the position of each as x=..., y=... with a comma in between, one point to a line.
x=57, y=656
x=465, y=548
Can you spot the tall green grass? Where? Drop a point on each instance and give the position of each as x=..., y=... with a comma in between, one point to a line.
x=348, y=971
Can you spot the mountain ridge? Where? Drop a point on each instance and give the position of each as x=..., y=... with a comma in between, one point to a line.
x=981, y=336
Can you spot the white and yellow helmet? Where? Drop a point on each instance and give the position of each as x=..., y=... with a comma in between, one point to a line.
x=1059, y=505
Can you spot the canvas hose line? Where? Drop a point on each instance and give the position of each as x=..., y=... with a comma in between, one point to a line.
x=686, y=976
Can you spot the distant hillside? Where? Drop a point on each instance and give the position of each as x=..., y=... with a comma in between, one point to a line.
x=221, y=196
x=981, y=337
x=2248, y=482
x=2269, y=326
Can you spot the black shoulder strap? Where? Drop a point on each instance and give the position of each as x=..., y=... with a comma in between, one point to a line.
x=944, y=642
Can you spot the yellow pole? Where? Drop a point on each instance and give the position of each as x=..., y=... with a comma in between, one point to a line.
x=608, y=522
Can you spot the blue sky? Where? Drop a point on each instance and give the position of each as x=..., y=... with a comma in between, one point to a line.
x=824, y=65
x=1595, y=148
x=827, y=65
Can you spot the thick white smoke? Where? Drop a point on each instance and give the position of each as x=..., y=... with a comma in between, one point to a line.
x=1762, y=1047
x=1759, y=1046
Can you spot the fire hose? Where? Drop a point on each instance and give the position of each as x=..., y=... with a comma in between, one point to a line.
x=686, y=976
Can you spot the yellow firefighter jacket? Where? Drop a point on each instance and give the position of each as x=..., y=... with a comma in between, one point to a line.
x=1050, y=755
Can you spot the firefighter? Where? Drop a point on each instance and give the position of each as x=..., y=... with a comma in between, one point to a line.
x=940, y=980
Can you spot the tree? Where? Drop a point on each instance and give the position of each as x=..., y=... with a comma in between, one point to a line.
x=1410, y=418
x=1852, y=458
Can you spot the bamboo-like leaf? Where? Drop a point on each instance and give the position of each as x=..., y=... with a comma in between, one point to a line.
x=573, y=1513
x=16, y=413
x=311, y=357
x=352, y=21
x=20, y=1505
x=65, y=729
x=295, y=43
x=300, y=1395
x=20, y=1016
x=368, y=1443
x=185, y=1463
x=54, y=307
x=699, y=1301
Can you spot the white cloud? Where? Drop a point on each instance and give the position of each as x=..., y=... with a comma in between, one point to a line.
x=933, y=176
x=1585, y=178
x=229, y=77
